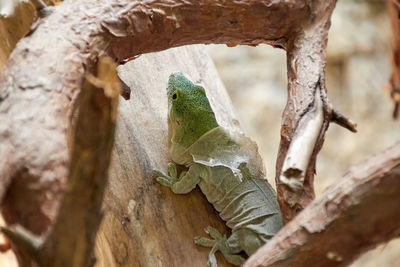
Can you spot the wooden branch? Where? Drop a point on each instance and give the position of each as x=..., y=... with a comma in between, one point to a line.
x=394, y=82
x=72, y=239
x=353, y=216
x=307, y=113
x=343, y=121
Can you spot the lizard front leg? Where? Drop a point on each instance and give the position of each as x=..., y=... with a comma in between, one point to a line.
x=186, y=182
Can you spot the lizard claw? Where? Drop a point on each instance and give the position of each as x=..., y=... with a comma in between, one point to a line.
x=204, y=241
x=217, y=242
x=214, y=233
x=165, y=181
x=173, y=173
x=163, y=178
x=158, y=173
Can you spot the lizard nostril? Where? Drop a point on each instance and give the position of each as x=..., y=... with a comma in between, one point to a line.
x=174, y=96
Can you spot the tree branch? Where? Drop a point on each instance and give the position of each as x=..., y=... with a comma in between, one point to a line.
x=307, y=113
x=73, y=236
x=343, y=121
x=355, y=215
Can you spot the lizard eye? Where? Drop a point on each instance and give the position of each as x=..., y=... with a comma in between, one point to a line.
x=174, y=96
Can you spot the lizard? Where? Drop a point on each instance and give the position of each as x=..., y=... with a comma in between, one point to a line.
x=227, y=167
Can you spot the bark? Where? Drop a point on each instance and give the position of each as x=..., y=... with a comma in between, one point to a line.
x=71, y=243
x=394, y=82
x=307, y=113
x=355, y=215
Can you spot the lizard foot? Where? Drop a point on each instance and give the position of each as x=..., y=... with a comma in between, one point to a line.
x=218, y=242
x=164, y=179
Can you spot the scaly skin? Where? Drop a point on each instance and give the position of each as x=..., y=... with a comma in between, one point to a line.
x=227, y=168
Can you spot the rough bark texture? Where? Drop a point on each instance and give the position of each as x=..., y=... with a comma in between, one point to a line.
x=355, y=215
x=394, y=83
x=307, y=113
x=71, y=243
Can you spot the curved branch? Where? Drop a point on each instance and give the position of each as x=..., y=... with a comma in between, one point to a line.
x=355, y=215
x=307, y=113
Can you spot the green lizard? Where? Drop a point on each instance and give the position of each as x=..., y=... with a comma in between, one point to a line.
x=227, y=168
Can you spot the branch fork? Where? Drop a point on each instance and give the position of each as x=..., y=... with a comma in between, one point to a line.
x=307, y=114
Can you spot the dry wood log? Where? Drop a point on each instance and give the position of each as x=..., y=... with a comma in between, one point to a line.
x=394, y=82
x=351, y=217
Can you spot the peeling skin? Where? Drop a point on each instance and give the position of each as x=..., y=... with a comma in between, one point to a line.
x=301, y=148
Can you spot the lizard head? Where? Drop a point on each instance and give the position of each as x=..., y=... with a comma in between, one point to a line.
x=190, y=114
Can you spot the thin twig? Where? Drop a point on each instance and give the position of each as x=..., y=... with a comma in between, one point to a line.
x=343, y=121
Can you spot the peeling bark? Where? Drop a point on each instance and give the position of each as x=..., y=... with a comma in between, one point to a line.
x=307, y=113
x=349, y=218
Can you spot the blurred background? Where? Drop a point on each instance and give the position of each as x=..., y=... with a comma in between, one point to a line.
x=358, y=68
